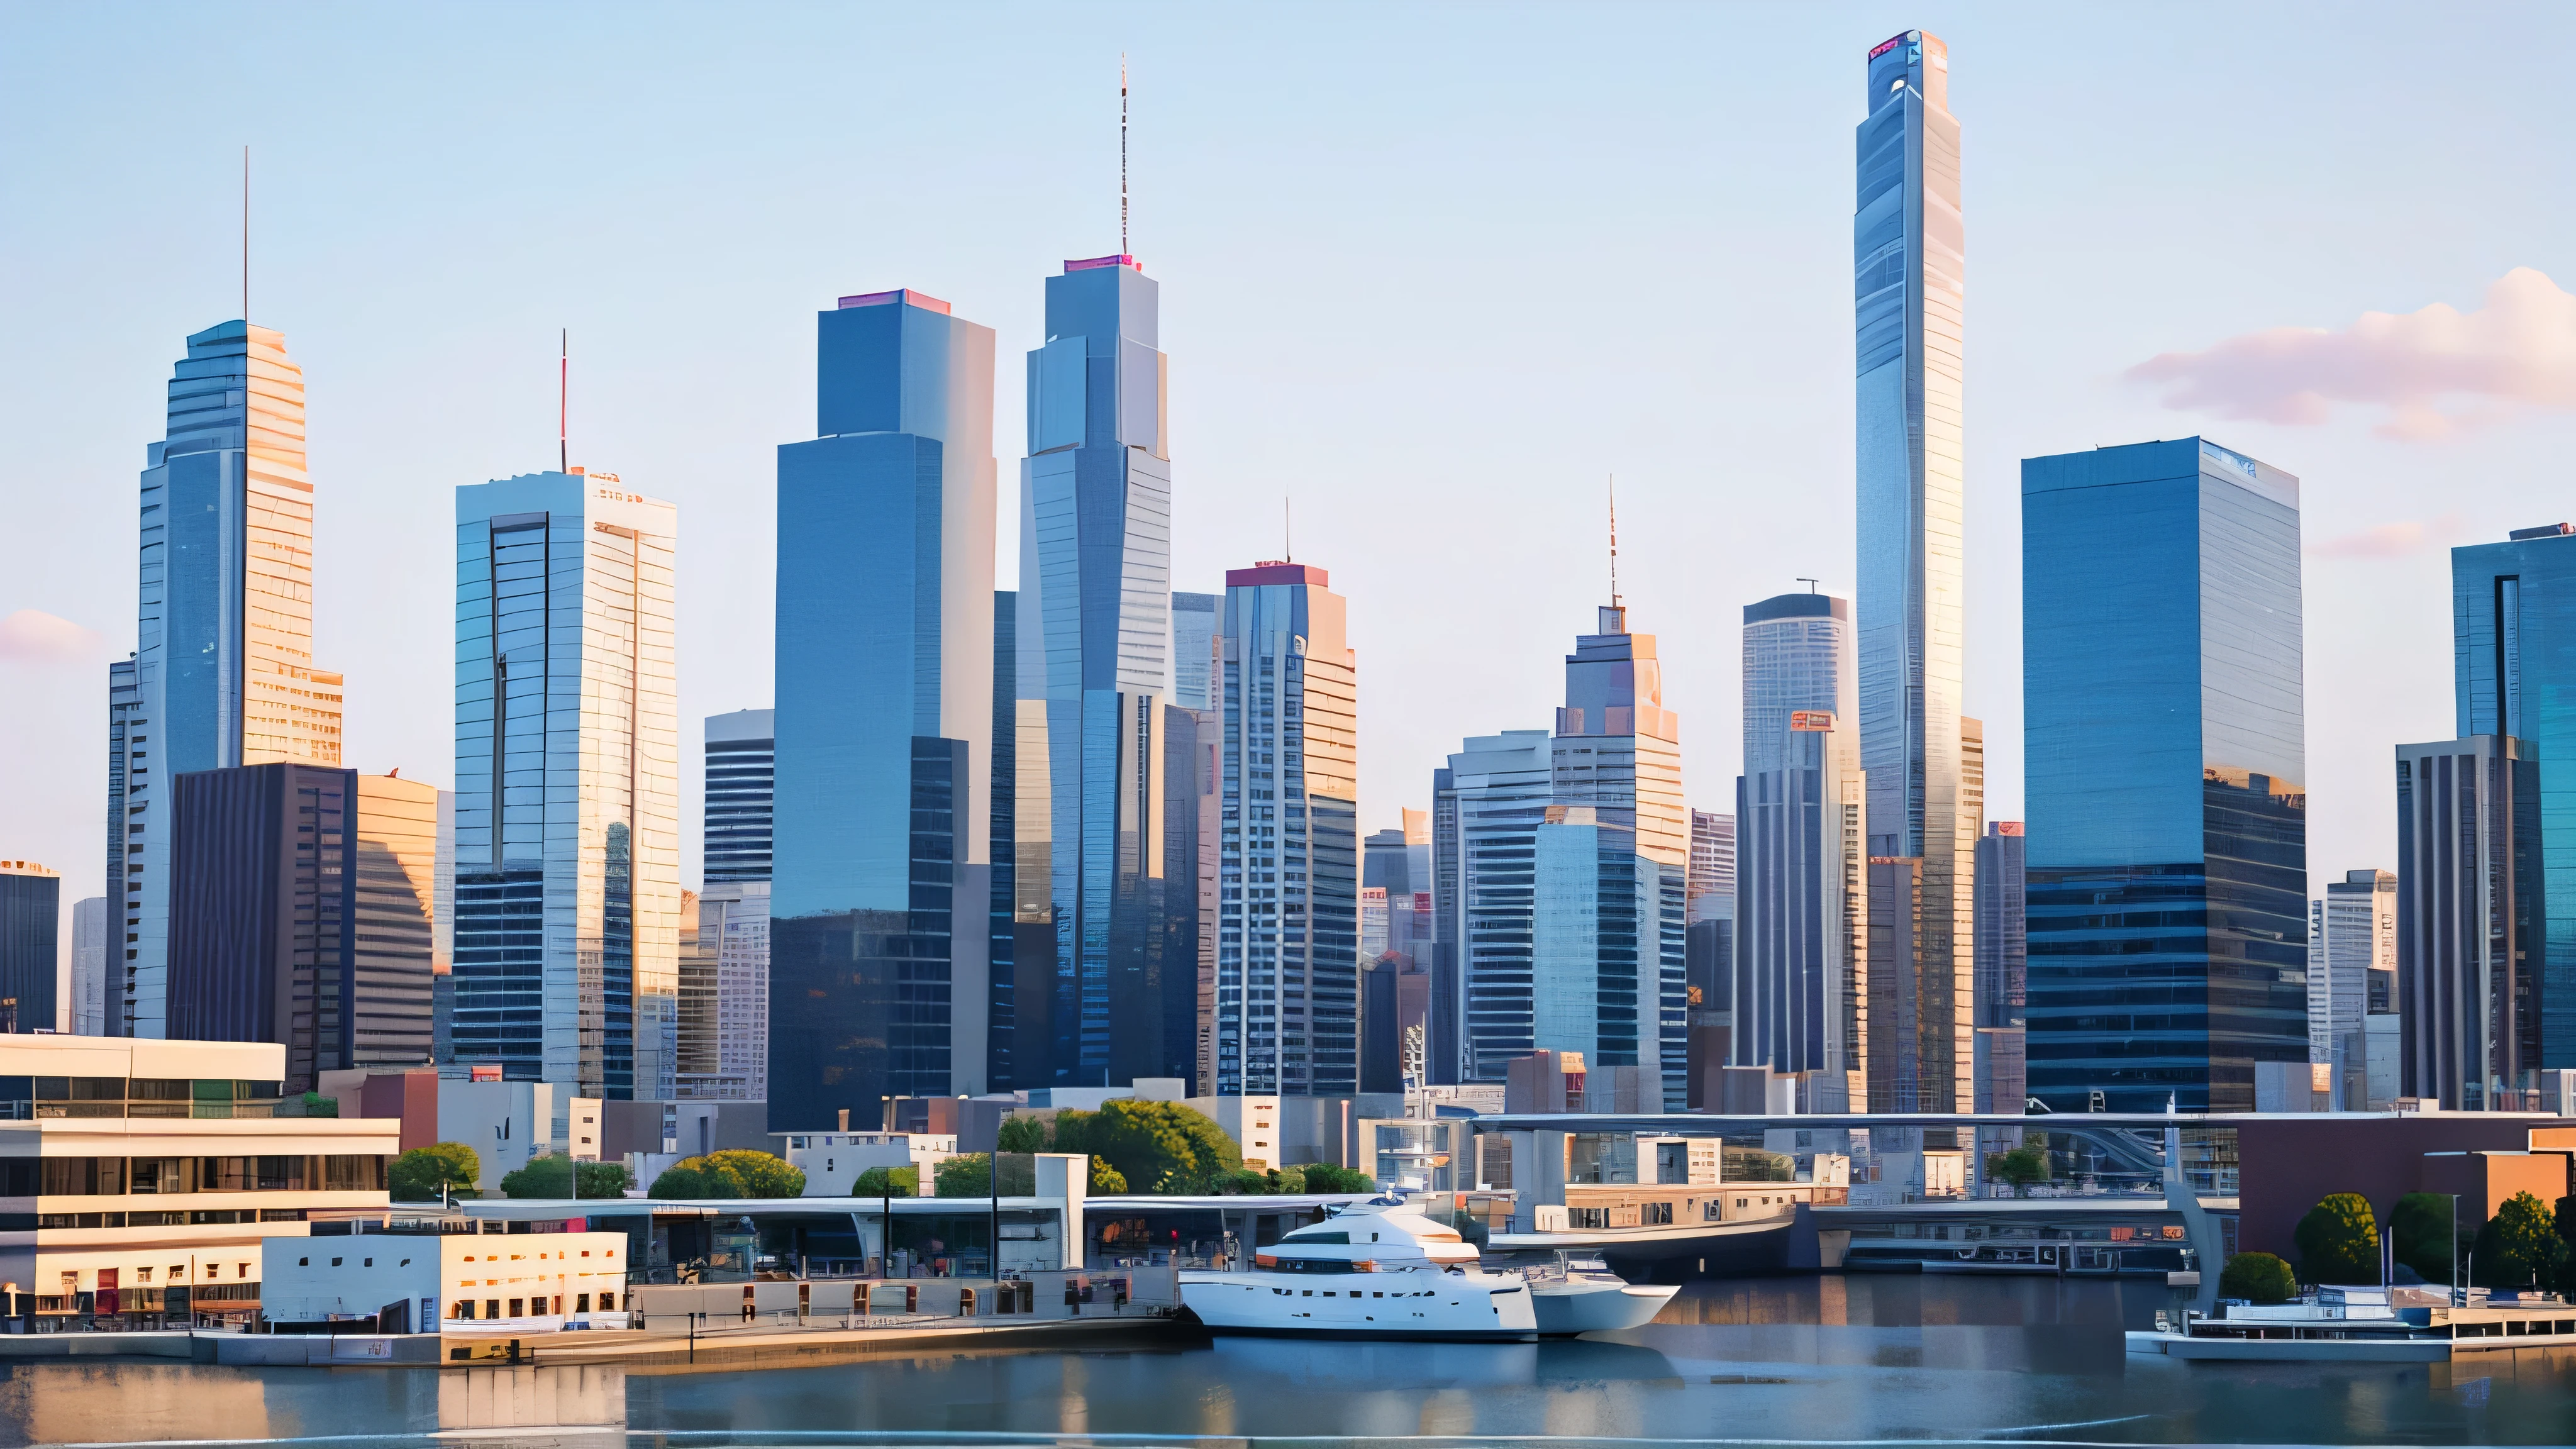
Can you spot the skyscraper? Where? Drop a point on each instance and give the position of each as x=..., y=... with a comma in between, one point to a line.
x=2003, y=969
x=730, y=1046
x=1287, y=955
x=879, y=926
x=394, y=902
x=2167, y=881
x=1497, y=794
x=222, y=673
x=1909, y=280
x=2472, y=901
x=2513, y=623
x=31, y=911
x=89, y=967
x=1801, y=979
x=1712, y=867
x=567, y=785
x=1095, y=628
x=2352, y=941
x=1446, y=1026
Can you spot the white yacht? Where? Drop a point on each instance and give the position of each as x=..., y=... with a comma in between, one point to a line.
x=1380, y=1270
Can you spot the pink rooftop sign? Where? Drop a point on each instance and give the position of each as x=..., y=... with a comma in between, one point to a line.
x=1088, y=263
x=904, y=295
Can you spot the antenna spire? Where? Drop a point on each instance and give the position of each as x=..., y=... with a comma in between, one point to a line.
x=563, y=403
x=245, y=236
x=1614, y=540
x=1287, y=533
x=1122, y=153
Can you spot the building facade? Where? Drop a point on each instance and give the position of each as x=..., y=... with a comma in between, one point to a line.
x=2167, y=849
x=2352, y=961
x=31, y=913
x=728, y=1054
x=1800, y=993
x=89, y=967
x=2471, y=912
x=567, y=785
x=1498, y=792
x=1287, y=949
x=1094, y=635
x=1909, y=264
x=222, y=673
x=741, y=794
x=395, y=858
x=879, y=934
x=2003, y=968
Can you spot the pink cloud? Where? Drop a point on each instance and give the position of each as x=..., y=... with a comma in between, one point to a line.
x=2391, y=540
x=2431, y=372
x=36, y=637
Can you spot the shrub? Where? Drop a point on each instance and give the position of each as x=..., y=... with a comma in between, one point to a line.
x=2021, y=1167
x=417, y=1175
x=888, y=1182
x=1105, y=1178
x=733, y=1173
x=2339, y=1240
x=2258, y=1278
x=2423, y=1236
x=970, y=1175
x=1023, y=1134
x=1323, y=1177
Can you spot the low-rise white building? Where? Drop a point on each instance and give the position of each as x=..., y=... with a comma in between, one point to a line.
x=419, y=1275
x=506, y=1123
x=138, y=1178
x=833, y=1161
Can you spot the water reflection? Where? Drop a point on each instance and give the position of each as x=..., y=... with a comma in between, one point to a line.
x=1835, y=1358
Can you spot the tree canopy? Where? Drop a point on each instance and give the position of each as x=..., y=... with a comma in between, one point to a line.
x=417, y=1175
x=735, y=1172
x=551, y=1176
x=969, y=1174
x=2022, y=1166
x=2519, y=1247
x=2339, y=1240
x=2258, y=1278
x=1023, y=1134
x=1159, y=1147
x=2423, y=1236
x=888, y=1182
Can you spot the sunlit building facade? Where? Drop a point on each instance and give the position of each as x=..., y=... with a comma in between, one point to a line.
x=222, y=673
x=1095, y=633
x=1287, y=953
x=2471, y=906
x=1493, y=802
x=880, y=897
x=1909, y=265
x=2167, y=890
x=567, y=785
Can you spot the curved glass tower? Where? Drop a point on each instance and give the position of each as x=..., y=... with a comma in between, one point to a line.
x=1908, y=265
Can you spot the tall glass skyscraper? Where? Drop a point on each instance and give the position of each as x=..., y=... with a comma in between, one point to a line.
x=566, y=956
x=1095, y=631
x=2167, y=835
x=1617, y=753
x=1909, y=267
x=222, y=673
x=2513, y=612
x=729, y=1058
x=1287, y=955
x=879, y=974
x=1492, y=804
x=1802, y=971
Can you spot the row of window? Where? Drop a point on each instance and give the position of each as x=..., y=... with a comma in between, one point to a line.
x=532, y=1307
x=119, y=1176
x=32, y=1222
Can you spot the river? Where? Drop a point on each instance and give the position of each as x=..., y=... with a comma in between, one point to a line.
x=1829, y=1359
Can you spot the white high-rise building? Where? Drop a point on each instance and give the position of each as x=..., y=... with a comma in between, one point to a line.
x=222, y=673
x=89, y=967
x=567, y=785
x=2352, y=933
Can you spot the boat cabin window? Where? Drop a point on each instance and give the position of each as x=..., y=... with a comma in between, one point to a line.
x=1316, y=1235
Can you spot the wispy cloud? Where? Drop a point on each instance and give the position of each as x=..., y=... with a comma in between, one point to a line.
x=2391, y=540
x=34, y=636
x=2431, y=372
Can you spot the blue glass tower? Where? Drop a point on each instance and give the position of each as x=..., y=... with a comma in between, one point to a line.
x=1095, y=631
x=2167, y=834
x=1909, y=265
x=881, y=886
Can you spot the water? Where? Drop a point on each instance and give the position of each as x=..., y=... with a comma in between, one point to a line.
x=1853, y=1358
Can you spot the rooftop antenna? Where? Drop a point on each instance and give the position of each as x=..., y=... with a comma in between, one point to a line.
x=563, y=403
x=1614, y=540
x=245, y=238
x=1810, y=583
x=1122, y=153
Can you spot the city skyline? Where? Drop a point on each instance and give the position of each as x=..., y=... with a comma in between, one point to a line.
x=1693, y=630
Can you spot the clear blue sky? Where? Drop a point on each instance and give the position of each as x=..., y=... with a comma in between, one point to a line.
x=1433, y=270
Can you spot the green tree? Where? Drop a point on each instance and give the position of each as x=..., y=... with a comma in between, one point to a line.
x=733, y=1173
x=1160, y=1147
x=1323, y=1177
x=2021, y=1167
x=417, y=1175
x=1105, y=1178
x=547, y=1176
x=2519, y=1247
x=2339, y=1240
x=1023, y=1134
x=601, y=1179
x=888, y=1182
x=969, y=1174
x=2258, y=1278
x=2423, y=1236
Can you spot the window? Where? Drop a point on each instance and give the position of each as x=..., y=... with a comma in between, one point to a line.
x=465, y=1308
x=518, y=1308
x=491, y=1307
x=1656, y=1212
x=607, y=1302
x=581, y=1303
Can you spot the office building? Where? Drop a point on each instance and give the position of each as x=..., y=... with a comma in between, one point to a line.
x=2472, y=911
x=31, y=913
x=1022, y=928
x=90, y=945
x=2166, y=908
x=1396, y=864
x=1445, y=1028
x=92, y=1245
x=1708, y=953
x=1712, y=867
x=2513, y=613
x=222, y=673
x=1287, y=954
x=2003, y=976
x=1617, y=752
x=1198, y=654
x=300, y=915
x=1094, y=631
x=1197, y=620
x=881, y=897
x=567, y=785
x=693, y=1059
x=727, y=1051
x=741, y=794
x=1498, y=791
x=2352, y=959
x=1908, y=262
x=1800, y=984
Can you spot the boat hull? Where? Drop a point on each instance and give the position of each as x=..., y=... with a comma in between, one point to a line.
x=2292, y=1350
x=1470, y=1306
x=1597, y=1307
